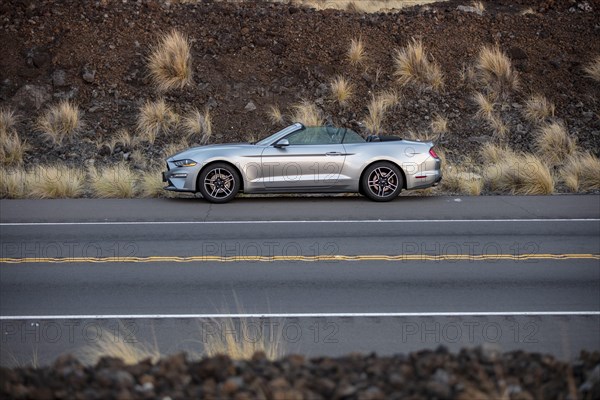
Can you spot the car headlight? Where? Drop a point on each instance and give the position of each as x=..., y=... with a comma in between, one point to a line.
x=185, y=163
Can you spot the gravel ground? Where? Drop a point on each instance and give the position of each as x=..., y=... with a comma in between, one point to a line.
x=470, y=374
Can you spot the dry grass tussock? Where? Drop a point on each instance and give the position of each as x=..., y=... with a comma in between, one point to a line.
x=307, y=113
x=170, y=62
x=377, y=108
x=501, y=129
x=485, y=106
x=356, y=52
x=414, y=67
x=554, y=144
x=117, y=181
x=528, y=11
x=521, y=174
x=245, y=340
x=593, y=69
x=439, y=124
x=13, y=183
x=60, y=121
x=538, y=108
x=341, y=90
x=492, y=154
x=468, y=75
x=55, y=182
x=495, y=70
x=275, y=116
x=478, y=5
x=459, y=179
x=8, y=121
x=125, y=139
x=156, y=118
x=101, y=144
x=12, y=149
x=198, y=125
x=151, y=184
x=360, y=6
x=131, y=351
x=122, y=138
x=140, y=160
x=581, y=172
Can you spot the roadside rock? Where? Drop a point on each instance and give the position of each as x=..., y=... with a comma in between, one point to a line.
x=469, y=9
x=30, y=97
x=88, y=74
x=517, y=53
x=40, y=58
x=59, y=78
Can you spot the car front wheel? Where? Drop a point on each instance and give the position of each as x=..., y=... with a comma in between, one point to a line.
x=382, y=181
x=219, y=183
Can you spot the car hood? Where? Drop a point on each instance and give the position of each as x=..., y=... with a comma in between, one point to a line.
x=194, y=151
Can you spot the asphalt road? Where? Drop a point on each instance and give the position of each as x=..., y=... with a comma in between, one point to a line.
x=377, y=272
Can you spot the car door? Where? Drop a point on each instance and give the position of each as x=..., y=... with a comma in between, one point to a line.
x=312, y=159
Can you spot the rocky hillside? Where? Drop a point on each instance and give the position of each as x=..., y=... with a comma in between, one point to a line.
x=249, y=56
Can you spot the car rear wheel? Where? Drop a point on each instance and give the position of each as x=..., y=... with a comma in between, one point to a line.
x=382, y=181
x=219, y=183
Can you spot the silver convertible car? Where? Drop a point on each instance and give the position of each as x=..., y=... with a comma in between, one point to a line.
x=301, y=159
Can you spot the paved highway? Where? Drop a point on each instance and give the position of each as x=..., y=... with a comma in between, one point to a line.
x=367, y=268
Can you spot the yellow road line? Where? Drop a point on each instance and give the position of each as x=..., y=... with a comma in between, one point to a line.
x=400, y=257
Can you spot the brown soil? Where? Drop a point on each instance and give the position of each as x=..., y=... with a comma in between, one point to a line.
x=278, y=53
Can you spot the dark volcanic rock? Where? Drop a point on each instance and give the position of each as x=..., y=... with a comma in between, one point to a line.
x=31, y=97
x=517, y=375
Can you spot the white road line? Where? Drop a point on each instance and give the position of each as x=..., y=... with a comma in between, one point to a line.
x=366, y=221
x=306, y=315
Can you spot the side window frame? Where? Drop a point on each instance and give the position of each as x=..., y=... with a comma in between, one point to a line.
x=320, y=131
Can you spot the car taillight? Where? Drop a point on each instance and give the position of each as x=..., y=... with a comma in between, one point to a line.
x=432, y=153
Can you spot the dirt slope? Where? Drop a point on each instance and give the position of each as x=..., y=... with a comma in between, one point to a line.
x=94, y=52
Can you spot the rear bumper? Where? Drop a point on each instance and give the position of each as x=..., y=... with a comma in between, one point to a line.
x=430, y=175
x=430, y=180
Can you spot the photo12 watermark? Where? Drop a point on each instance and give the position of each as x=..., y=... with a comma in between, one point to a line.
x=253, y=251
x=69, y=331
x=468, y=332
x=469, y=251
x=240, y=330
x=69, y=250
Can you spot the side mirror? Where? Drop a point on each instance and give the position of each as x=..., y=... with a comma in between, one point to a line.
x=281, y=143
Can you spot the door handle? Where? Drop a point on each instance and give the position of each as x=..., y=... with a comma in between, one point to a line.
x=333, y=153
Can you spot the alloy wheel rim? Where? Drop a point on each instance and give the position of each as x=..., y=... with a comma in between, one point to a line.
x=383, y=181
x=219, y=183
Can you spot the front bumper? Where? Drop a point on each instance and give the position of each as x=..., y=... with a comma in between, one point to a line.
x=179, y=180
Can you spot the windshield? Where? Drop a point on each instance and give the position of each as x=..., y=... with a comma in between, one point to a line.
x=272, y=137
x=345, y=135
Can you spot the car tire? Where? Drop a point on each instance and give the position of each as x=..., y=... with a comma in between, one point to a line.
x=219, y=183
x=382, y=181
